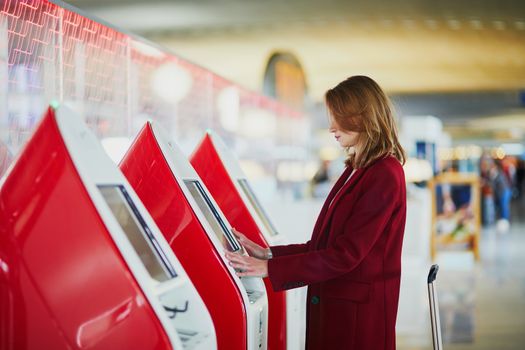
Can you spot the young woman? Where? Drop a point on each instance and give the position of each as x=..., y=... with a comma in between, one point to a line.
x=352, y=263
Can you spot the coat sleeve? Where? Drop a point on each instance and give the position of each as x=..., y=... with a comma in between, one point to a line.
x=375, y=205
x=290, y=249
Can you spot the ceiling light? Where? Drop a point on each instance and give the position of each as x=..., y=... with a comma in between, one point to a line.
x=476, y=24
x=454, y=24
x=431, y=23
x=499, y=25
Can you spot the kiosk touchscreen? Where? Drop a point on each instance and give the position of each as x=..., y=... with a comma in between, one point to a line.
x=83, y=265
x=222, y=175
x=199, y=234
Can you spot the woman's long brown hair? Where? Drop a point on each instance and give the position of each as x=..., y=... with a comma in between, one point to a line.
x=359, y=104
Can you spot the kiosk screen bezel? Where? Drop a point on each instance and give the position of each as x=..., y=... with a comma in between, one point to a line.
x=205, y=204
x=137, y=231
x=258, y=207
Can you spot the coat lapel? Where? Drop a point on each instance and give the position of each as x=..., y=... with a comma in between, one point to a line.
x=336, y=195
x=331, y=195
x=335, y=190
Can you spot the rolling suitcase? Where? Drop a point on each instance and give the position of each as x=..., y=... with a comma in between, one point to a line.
x=434, y=308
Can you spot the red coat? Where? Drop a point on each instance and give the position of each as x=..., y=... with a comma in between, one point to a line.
x=352, y=263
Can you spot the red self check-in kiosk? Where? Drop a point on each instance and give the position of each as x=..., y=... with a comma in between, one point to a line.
x=198, y=234
x=82, y=264
x=212, y=161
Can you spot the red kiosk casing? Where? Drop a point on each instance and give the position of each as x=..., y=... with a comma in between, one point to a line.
x=152, y=177
x=210, y=167
x=63, y=282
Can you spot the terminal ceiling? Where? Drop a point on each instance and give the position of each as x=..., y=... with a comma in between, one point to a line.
x=470, y=50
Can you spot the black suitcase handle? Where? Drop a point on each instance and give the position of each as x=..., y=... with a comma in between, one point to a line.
x=432, y=274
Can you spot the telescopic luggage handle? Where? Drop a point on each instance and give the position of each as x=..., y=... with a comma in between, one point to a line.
x=434, y=308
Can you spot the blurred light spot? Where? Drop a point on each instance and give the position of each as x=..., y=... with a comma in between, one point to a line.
x=228, y=102
x=498, y=153
x=446, y=153
x=292, y=171
x=474, y=151
x=431, y=23
x=4, y=267
x=252, y=169
x=513, y=149
x=171, y=82
x=409, y=23
x=329, y=153
x=460, y=153
x=257, y=123
x=417, y=170
x=387, y=23
x=476, y=24
x=310, y=169
x=454, y=24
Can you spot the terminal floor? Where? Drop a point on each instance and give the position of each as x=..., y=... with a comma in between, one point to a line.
x=482, y=304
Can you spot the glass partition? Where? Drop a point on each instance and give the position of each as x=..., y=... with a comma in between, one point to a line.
x=51, y=51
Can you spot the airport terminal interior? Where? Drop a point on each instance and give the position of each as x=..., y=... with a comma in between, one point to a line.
x=135, y=134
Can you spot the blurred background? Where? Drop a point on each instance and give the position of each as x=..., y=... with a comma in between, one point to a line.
x=256, y=71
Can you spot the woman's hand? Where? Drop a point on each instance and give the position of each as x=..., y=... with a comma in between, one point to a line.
x=253, y=248
x=248, y=266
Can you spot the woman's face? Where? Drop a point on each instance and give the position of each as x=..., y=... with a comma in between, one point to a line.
x=345, y=138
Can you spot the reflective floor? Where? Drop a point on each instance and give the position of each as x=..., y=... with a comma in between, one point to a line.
x=482, y=305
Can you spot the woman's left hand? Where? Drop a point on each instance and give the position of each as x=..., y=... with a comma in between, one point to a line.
x=248, y=266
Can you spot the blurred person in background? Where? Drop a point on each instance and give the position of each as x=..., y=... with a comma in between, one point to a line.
x=503, y=194
x=520, y=174
x=352, y=263
x=488, y=205
x=320, y=183
x=509, y=169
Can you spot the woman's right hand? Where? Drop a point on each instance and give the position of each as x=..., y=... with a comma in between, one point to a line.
x=251, y=247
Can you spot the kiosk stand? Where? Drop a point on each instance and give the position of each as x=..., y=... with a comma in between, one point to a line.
x=220, y=171
x=198, y=234
x=83, y=265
